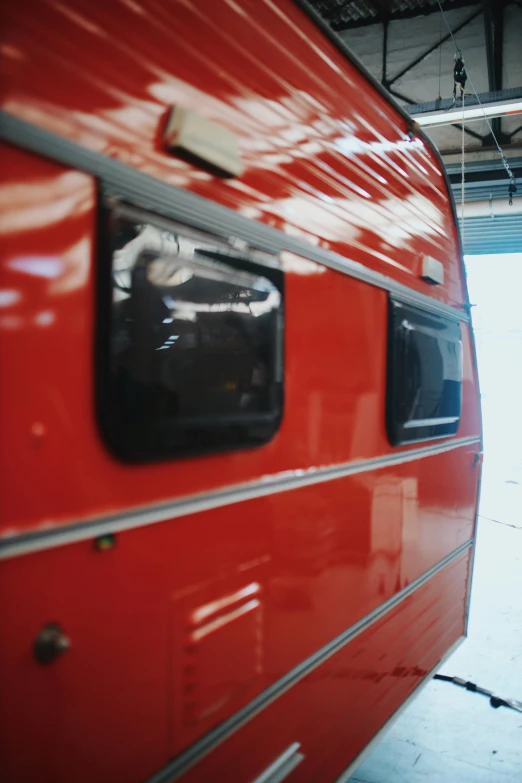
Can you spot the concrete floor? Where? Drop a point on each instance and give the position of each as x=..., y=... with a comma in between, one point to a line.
x=447, y=733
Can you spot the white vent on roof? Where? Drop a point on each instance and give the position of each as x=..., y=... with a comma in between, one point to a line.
x=432, y=271
x=204, y=140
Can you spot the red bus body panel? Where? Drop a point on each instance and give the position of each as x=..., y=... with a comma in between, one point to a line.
x=187, y=621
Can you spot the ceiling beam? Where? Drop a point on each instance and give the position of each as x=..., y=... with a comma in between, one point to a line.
x=411, y=102
x=431, y=49
x=513, y=133
x=402, y=97
x=475, y=113
x=496, y=177
x=468, y=132
x=494, y=36
x=384, y=77
x=409, y=13
x=481, y=161
x=445, y=104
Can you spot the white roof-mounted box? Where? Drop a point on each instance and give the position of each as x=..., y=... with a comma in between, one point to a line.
x=432, y=271
x=203, y=141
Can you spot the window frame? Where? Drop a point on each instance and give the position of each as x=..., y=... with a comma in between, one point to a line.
x=402, y=432
x=240, y=257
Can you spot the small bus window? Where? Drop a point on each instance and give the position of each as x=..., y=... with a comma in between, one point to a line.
x=424, y=375
x=191, y=355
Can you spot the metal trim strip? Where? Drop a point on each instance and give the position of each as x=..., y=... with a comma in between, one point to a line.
x=412, y=423
x=58, y=535
x=356, y=763
x=282, y=766
x=472, y=558
x=218, y=735
x=141, y=190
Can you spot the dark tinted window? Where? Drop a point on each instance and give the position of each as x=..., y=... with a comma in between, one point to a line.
x=191, y=360
x=424, y=375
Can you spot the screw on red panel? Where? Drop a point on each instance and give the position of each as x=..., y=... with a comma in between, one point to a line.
x=50, y=643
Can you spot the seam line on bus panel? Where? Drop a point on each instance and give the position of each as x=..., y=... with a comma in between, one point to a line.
x=210, y=741
x=142, y=190
x=472, y=556
x=68, y=533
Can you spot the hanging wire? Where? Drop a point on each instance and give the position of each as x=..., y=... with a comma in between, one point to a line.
x=462, y=184
x=499, y=148
x=440, y=56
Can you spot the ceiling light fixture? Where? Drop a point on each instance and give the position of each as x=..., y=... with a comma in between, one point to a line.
x=468, y=114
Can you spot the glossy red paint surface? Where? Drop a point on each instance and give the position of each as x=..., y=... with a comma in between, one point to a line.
x=184, y=622
x=111, y=708
x=326, y=158
x=335, y=347
x=334, y=711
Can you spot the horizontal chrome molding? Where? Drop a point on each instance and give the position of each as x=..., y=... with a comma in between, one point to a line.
x=414, y=423
x=58, y=534
x=214, y=738
x=144, y=191
x=282, y=766
x=349, y=771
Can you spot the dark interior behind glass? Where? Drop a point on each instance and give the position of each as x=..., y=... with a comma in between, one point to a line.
x=191, y=361
x=424, y=393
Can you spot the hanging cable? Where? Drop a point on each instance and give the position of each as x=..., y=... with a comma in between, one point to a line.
x=440, y=56
x=462, y=184
x=512, y=183
x=495, y=701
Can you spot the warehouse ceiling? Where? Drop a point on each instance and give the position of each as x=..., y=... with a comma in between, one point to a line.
x=343, y=14
x=406, y=45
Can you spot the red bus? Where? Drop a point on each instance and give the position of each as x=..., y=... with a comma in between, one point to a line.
x=240, y=416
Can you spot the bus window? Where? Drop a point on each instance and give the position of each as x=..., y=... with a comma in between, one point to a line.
x=191, y=353
x=424, y=393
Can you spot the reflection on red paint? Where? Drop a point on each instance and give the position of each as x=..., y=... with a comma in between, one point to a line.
x=177, y=626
